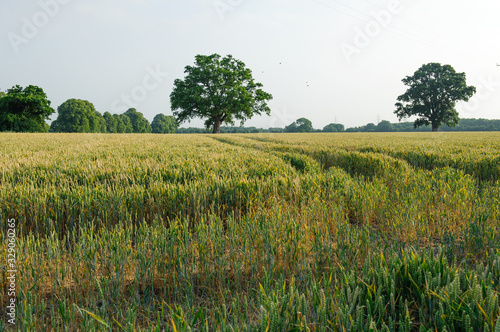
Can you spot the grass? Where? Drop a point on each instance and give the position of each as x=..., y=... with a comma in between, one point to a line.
x=261, y=232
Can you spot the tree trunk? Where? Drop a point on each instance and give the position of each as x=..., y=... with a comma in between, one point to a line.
x=216, y=126
x=435, y=127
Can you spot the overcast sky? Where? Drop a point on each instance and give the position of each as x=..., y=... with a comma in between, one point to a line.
x=326, y=60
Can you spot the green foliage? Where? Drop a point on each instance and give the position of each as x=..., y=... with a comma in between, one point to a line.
x=125, y=124
x=384, y=126
x=474, y=125
x=370, y=127
x=463, y=125
x=164, y=124
x=220, y=90
x=333, y=128
x=230, y=130
x=78, y=116
x=24, y=109
x=111, y=123
x=194, y=130
x=301, y=125
x=432, y=93
x=139, y=123
x=120, y=126
x=103, y=126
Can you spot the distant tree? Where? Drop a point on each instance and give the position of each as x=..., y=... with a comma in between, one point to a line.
x=464, y=125
x=302, y=125
x=333, y=128
x=139, y=123
x=111, y=123
x=432, y=94
x=78, y=116
x=475, y=125
x=192, y=130
x=384, y=126
x=370, y=127
x=291, y=128
x=163, y=124
x=353, y=129
x=24, y=110
x=127, y=124
x=239, y=130
x=218, y=90
x=406, y=127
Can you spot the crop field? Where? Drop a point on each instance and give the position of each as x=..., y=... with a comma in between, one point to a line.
x=252, y=232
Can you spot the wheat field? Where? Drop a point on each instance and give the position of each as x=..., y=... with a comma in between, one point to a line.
x=252, y=232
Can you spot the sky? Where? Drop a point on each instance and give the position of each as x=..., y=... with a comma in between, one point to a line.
x=327, y=60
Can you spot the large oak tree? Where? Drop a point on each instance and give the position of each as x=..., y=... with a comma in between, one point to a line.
x=220, y=90
x=432, y=94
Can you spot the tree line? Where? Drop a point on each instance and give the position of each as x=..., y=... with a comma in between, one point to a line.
x=222, y=91
x=382, y=126
x=27, y=109
x=80, y=116
x=463, y=125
